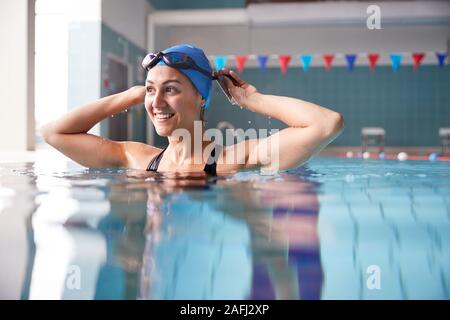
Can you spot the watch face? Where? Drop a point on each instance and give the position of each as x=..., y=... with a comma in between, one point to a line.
x=223, y=85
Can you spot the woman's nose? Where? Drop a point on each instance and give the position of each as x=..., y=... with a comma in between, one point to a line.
x=158, y=100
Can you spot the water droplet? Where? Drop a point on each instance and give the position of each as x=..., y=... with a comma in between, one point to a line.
x=126, y=110
x=112, y=116
x=249, y=122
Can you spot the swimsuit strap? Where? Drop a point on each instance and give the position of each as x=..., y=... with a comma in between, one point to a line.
x=210, y=167
x=154, y=164
x=211, y=164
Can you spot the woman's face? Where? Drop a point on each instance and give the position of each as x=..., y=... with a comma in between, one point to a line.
x=171, y=100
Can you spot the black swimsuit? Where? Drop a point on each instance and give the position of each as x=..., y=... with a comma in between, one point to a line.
x=210, y=167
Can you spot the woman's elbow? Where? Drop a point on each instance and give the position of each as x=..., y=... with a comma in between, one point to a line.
x=334, y=125
x=47, y=133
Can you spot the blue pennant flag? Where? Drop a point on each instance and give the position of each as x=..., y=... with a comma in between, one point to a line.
x=262, y=62
x=306, y=61
x=220, y=62
x=396, y=60
x=441, y=58
x=351, y=58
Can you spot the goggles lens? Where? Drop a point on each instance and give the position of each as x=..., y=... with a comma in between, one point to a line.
x=178, y=59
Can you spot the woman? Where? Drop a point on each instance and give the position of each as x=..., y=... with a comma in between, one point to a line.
x=176, y=95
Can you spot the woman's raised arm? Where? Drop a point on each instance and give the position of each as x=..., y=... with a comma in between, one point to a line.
x=311, y=127
x=69, y=133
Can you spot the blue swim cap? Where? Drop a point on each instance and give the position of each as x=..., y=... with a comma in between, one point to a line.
x=200, y=81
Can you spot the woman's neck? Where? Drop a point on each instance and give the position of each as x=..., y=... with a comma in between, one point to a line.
x=187, y=151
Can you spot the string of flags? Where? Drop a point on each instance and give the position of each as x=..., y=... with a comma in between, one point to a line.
x=396, y=59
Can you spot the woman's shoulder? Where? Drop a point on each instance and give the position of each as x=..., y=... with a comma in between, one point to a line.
x=139, y=154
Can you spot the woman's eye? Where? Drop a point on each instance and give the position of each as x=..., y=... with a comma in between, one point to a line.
x=151, y=90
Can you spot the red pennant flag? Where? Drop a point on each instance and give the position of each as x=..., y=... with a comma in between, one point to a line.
x=240, y=63
x=417, y=58
x=328, y=59
x=284, y=61
x=373, y=59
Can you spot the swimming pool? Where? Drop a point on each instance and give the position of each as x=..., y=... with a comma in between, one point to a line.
x=332, y=229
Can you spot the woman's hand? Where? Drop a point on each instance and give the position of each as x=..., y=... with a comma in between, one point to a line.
x=137, y=94
x=239, y=89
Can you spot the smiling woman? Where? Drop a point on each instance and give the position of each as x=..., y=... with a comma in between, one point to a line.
x=175, y=94
x=172, y=103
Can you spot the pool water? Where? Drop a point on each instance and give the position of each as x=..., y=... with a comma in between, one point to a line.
x=331, y=229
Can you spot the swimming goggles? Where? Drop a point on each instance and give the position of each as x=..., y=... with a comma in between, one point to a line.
x=178, y=60
x=181, y=60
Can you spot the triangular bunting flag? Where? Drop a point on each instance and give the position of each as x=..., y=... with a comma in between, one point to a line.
x=306, y=61
x=373, y=59
x=328, y=59
x=262, y=62
x=441, y=58
x=220, y=62
x=417, y=58
x=396, y=60
x=284, y=62
x=240, y=63
x=351, y=58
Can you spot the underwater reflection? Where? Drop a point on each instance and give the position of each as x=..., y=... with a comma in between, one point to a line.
x=79, y=233
x=141, y=235
x=230, y=239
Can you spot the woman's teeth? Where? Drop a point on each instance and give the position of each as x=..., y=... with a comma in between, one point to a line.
x=164, y=116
